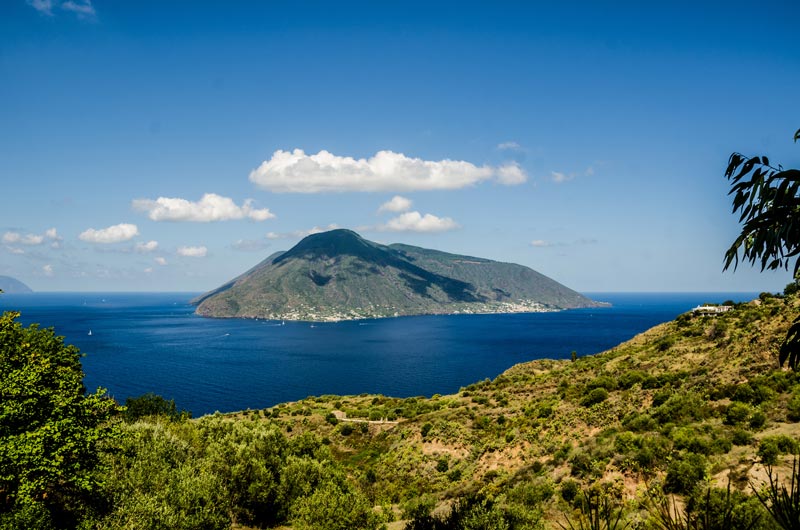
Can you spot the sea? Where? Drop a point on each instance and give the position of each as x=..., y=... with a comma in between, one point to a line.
x=153, y=342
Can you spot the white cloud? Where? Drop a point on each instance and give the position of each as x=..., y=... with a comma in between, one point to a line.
x=509, y=146
x=396, y=204
x=112, y=234
x=144, y=248
x=148, y=270
x=416, y=222
x=193, y=252
x=15, y=250
x=298, y=172
x=42, y=6
x=83, y=8
x=161, y=261
x=301, y=233
x=27, y=239
x=211, y=207
x=47, y=270
x=511, y=174
x=540, y=243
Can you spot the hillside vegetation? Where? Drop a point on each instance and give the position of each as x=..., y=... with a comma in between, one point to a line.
x=681, y=421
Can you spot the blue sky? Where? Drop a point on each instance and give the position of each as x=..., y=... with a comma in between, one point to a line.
x=156, y=145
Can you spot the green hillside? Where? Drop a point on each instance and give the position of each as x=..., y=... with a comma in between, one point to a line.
x=339, y=275
x=686, y=420
x=692, y=403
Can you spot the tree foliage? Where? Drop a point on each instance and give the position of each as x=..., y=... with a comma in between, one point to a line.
x=50, y=429
x=768, y=201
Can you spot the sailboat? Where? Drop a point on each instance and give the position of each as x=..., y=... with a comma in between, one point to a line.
x=90, y=333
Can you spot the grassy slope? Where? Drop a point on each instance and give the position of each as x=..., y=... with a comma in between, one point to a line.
x=531, y=430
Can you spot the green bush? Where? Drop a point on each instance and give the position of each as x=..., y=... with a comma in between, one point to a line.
x=684, y=473
x=569, y=490
x=771, y=447
x=596, y=395
x=736, y=413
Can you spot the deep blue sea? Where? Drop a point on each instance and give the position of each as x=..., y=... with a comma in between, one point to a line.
x=152, y=342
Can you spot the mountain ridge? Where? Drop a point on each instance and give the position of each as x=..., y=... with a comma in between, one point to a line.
x=339, y=275
x=13, y=286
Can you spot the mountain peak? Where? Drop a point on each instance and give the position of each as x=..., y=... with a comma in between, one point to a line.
x=331, y=244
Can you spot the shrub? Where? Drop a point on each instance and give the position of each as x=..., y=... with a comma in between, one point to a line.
x=684, y=473
x=569, y=490
x=425, y=429
x=628, y=379
x=596, y=395
x=741, y=437
x=346, y=429
x=736, y=413
x=602, y=381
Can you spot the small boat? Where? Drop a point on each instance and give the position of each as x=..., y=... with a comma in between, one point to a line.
x=90, y=333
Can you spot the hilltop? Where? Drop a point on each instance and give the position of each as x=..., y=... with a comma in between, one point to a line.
x=13, y=286
x=339, y=275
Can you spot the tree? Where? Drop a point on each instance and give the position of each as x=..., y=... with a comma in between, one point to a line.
x=768, y=199
x=50, y=430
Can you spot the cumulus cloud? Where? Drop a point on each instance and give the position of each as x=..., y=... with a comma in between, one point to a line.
x=161, y=261
x=148, y=270
x=193, y=252
x=112, y=234
x=17, y=238
x=541, y=243
x=210, y=207
x=396, y=204
x=416, y=222
x=15, y=250
x=301, y=233
x=298, y=172
x=145, y=248
x=12, y=238
x=511, y=174
x=48, y=271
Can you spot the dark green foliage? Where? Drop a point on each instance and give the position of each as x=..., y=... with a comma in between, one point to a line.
x=630, y=378
x=602, y=381
x=741, y=437
x=682, y=408
x=768, y=198
x=425, y=429
x=151, y=404
x=685, y=472
x=771, y=447
x=596, y=395
x=52, y=432
x=736, y=413
x=569, y=490
x=639, y=422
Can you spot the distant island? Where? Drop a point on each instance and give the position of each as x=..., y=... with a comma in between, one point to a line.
x=13, y=286
x=338, y=275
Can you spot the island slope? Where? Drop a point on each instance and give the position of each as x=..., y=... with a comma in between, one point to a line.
x=339, y=275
